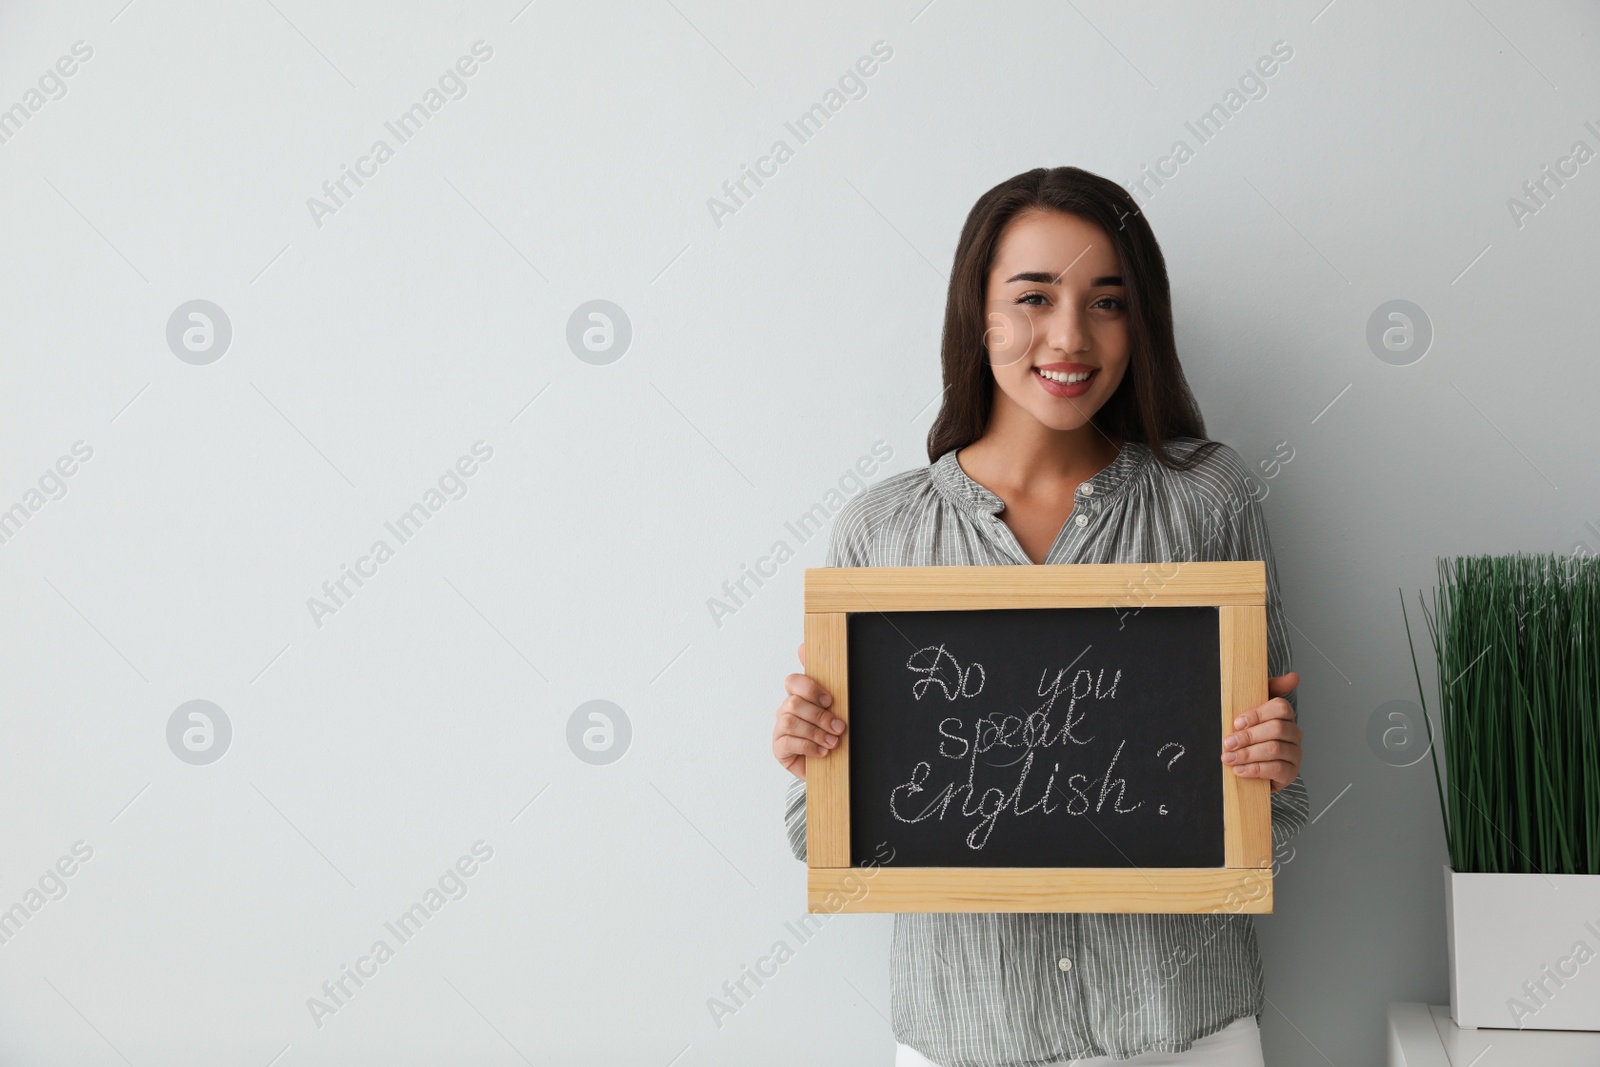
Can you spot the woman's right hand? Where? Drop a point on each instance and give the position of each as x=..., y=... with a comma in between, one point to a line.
x=804, y=725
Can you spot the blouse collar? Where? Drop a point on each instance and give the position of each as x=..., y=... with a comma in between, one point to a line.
x=957, y=487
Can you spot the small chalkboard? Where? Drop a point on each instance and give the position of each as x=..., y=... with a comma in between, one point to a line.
x=1042, y=738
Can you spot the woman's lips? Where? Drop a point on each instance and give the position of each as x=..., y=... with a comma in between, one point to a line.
x=1055, y=388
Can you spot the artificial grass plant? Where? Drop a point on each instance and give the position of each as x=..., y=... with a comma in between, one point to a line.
x=1517, y=643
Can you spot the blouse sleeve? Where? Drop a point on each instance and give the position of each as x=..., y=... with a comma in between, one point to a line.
x=847, y=547
x=1246, y=538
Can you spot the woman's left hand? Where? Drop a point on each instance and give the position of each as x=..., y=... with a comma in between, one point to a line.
x=1265, y=742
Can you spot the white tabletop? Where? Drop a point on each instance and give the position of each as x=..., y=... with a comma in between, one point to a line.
x=1424, y=1035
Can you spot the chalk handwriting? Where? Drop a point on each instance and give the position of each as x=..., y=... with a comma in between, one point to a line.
x=941, y=669
x=1007, y=740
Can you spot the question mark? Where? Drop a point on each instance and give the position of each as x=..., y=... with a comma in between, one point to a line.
x=1174, y=759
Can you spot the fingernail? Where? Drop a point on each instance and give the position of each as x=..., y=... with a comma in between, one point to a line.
x=1230, y=743
x=1238, y=723
x=832, y=741
x=1229, y=757
x=827, y=700
x=837, y=726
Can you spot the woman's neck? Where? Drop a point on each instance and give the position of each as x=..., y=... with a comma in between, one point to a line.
x=1017, y=454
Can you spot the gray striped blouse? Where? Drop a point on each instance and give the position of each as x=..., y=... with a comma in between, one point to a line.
x=986, y=990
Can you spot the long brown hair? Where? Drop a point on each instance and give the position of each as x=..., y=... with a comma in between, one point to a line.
x=1152, y=404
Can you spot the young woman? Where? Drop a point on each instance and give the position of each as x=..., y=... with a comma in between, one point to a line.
x=1067, y=434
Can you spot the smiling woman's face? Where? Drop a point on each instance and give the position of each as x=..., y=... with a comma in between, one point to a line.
x=1057, y=318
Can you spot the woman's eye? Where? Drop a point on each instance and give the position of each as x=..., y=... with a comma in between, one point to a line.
x=1034, y=299
x=1114, y=303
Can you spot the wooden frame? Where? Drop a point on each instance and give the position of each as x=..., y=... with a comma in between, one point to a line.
x=1237, y=589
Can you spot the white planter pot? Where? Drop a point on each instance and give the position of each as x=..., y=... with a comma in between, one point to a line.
x=1524, y=950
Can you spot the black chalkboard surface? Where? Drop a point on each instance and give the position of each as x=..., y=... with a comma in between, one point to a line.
x=1038, y=737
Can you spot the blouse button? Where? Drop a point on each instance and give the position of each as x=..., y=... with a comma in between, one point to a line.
x=1064, y=963
x=1082, y=520
x=1087, y=488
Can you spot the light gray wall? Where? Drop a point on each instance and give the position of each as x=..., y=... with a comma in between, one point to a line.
x=373, y=346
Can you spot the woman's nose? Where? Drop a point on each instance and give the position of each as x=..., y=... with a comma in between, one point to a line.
x=1065, y=331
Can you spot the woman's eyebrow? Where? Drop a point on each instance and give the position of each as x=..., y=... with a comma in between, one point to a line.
x=1046, y=278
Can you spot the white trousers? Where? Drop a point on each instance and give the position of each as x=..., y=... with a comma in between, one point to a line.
x=1236, y=1045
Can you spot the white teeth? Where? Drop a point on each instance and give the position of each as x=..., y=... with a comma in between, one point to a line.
x=1064, y=378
